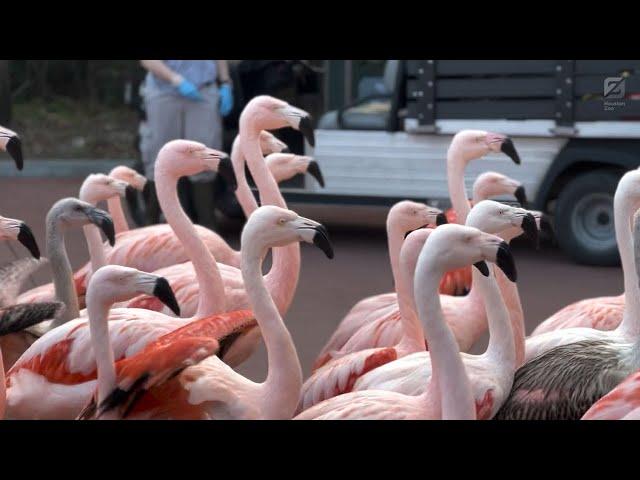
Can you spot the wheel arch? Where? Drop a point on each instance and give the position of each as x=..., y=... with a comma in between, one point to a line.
x=582, y=155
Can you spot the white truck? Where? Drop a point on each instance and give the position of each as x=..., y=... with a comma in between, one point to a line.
x=575, y=124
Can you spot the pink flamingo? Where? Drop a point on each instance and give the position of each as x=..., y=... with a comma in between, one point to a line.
x=131, y=177
x=212, y=386
x=62, y=360
x=487, y=185
x=402, y=218
x=601, y=317
x=360, y=330
x=10, y=142
x=448, y=394
x=338, y=375
x=491, y=373
x=12, y=229
x=153, y=247
x=621, y=403
x=261, y=113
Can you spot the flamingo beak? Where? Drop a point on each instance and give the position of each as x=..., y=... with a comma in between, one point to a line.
x=509, y=149
x=504, y=260
x=321, y=240
x=482, y=267
x=26, y=238
x=530, y=229
x=314, y=170
x=163, y=292
x=521, y=196
x=14, y=148
x=306, y=129
x=103, y=221
x=441, y=219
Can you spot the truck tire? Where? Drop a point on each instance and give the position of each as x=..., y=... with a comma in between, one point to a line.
x=584, y=220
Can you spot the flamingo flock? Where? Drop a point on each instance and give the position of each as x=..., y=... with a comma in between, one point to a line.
x=157, y=321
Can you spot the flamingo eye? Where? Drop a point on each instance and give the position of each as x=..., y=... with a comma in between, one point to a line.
x=282, y=221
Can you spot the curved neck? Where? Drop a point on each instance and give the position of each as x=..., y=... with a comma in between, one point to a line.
x=62, y=274
x=212, y=295
x=98, y=312
x=412, y=333
x=117, y=214
x=395, y=238
x=449, y=380
x=624, y=210
x=455, y=180
x=281, y=390
x=501, y=341
x=282, y=279
x=95, y=246
x=244, y=194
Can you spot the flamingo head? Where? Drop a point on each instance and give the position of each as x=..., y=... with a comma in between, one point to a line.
x=284, y=166
x=130, y=176
x=71, y=212
x=10, y=142
x=180, y=158
x=268, y=113
x=495, y=217
x=407, y=216
x=453, y=246
x=271, y=226
x=98, y=186
x=115, y=283
x=269, y=143
x=11, y=229
x=473, y=144
x=494, y=184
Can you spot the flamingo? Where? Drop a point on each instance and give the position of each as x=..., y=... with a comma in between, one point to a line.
x=602, y=311
x=621, y=403
x=339, y=374
x=61, y=363
x=383, y=309
x=261, y=113
x=212, y=389
x=492, y=372
x=563, y=382
x=402, y=218
x=10, y=142
x=135, y=180
x=448, y=394
x=12, y=229
x=153, y=247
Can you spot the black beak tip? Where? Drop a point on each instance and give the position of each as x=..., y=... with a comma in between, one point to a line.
x=530, y=229
x=441, y=219
x=103, y=220
x=14, y=148
x=306, y=128
x=482, y=267
x=509, y=149
x=225, y=169
x=163, y=292
x=521, y=196
x=285, y=150
x=504, y=260
x=321, y=240
x=26, y=238
x=315, y=172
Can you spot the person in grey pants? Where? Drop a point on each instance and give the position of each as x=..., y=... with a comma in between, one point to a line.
x=185, y=99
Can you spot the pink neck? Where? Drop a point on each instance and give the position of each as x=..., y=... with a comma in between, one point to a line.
x=282, y=279
x=624, y=209
x=412, y=333
x=243, y=193
x=449, y=381
x=281, y=389
x=455, y=179
x=212, y=295
x=98, y=312
x=117, y=214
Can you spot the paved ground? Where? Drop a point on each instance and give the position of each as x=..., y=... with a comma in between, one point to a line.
x=328, y=288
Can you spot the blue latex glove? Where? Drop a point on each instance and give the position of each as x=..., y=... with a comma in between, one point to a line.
x=226, y=99
x=189, y=90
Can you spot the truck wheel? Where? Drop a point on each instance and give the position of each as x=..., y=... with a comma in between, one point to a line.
x=584, y=218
